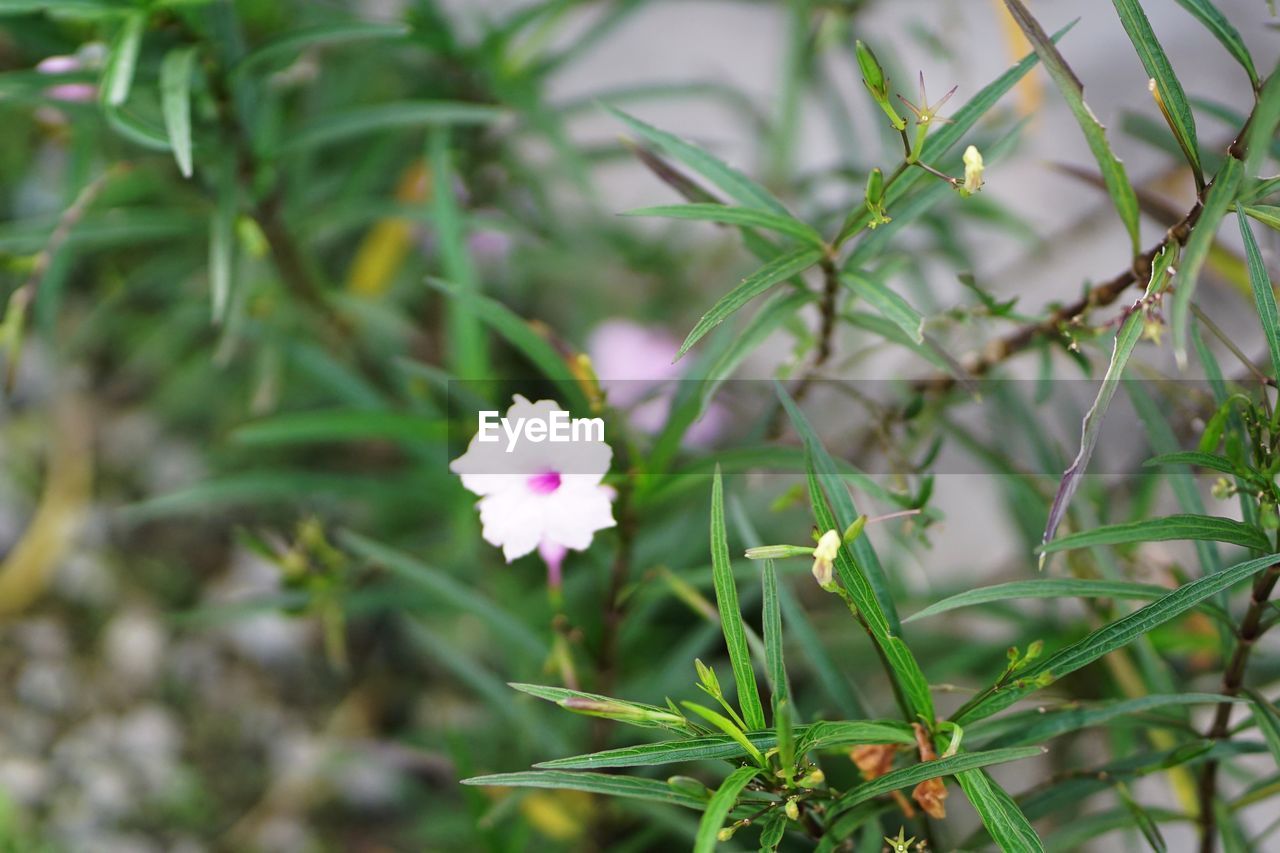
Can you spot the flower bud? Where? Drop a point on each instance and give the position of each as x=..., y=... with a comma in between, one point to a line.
x=872, y=73
x=777, y=552
x=814, y=779
x=707, y=677
x=792, y=810
x=875, y=187
x=614, y=710
x=973, y=167
x=853, y=531
x=824, y=557
x=726, y=833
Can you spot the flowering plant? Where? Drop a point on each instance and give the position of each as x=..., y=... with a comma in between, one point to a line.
x=355, y=413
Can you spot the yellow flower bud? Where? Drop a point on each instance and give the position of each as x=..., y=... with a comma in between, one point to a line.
x=824, y=557
x=972, y=169
x=792, y=810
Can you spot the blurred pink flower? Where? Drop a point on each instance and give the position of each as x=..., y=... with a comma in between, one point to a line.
x=73, y=92
x=59, y=65
x=635, y=369
x=69, y=92
x=545, y=495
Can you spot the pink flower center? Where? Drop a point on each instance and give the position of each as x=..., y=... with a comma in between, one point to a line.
x=544, y=483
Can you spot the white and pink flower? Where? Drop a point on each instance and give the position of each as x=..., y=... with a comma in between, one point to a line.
x=547, y=496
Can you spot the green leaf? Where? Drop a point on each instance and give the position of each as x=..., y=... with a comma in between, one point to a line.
x=1145, y=822
x=1267, y=214
x=708, y=748
x=298, y=40
x=1173, y=100
x=892, y=306
x=1206, y=13
x=1267, y=720
x=1110, y=637
x=737, y=185
x=117, y=78
x=779, y=269
x=724, y=724
x=1126, y=340
x=467, y=354
x=516, y=331
x=825, y=735
x=1163, y=440
x=1113, y=174
x=593, y=783
x=746, y=217
x=296, y=428
x=771, y=623
x=1221, y=193
x=142, y=133
x=731, y=614
x=1039, y=725
x=832, y=476
x=1192, y=527
x=1005, y=822
x=222, y=245
x=1047, y=588
x=646, y=716
x=718, y=809
x=912, y=688
x=175, y=101
x=905, y=777
x=1264, y=296
x=447, y=590
x=772, y=832
x=358, y=121
x=1197, y=458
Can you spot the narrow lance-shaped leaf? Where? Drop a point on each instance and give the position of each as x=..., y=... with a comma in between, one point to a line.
x=1109, y=638
x=222, y=245
x=468, y=355
x=1267, y=720
x=735, y=184
x=594, y=783
x=1263, y=295
x=718, y=809
x=1113, y=174
x=358, y=121
x=1005, y=822
x=175, y=100
x=707, y=748
x=779, y=269
x=1220, y=195
x=118, y=75
x=1126, y=339
x=917, y=773
x=833, y=482
x=1172, y=100
x=742, y=216
x=772, y=626
x=1215, y=22
x=298, y=40
x=1191, y=527
x=730, y=613
x=1039, y=725
x=910, y=683
x=888, y=303
x=1046, y=588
